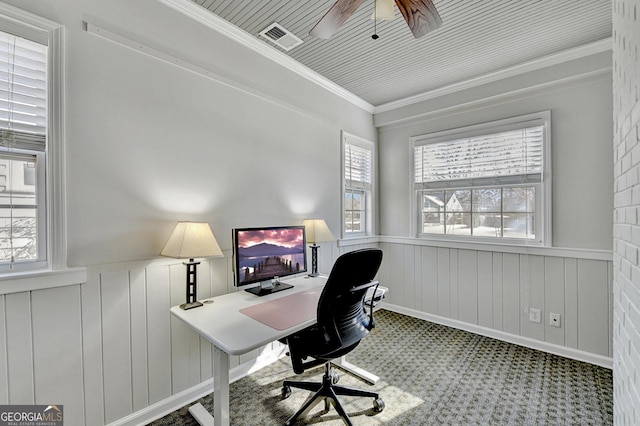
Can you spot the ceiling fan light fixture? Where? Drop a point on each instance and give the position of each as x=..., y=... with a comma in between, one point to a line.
x=420, y=15
x=385, y=10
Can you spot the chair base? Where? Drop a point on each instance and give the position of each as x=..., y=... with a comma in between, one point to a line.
x=328, y=392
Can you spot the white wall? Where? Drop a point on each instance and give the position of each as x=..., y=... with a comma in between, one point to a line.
x=626, y=287
x=241, y=143
x=150, y=143
x=490, y=288
x=581, y=131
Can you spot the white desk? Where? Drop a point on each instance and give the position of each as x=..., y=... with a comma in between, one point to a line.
x=234, y=333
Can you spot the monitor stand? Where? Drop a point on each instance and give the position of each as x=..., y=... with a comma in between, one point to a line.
x=268, y=287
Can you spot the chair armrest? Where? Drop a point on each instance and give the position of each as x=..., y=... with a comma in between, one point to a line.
x=364, y=286
x=376, y=294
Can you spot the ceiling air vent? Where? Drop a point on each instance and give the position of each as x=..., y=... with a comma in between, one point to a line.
x=280, y=36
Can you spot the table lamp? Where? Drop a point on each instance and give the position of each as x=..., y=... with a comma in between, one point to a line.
x=317, y=232
x=188, y=241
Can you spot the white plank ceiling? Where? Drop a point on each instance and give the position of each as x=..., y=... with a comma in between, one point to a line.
x=477, y=38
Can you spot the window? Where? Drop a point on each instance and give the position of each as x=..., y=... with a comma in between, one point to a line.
x=357, y=186
x=30, y=154
x=485, y=183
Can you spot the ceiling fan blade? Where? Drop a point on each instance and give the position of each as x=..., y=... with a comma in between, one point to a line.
x=421, y=16
x=334, y=18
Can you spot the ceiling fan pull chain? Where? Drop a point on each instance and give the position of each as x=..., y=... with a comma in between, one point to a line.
x=375, y=35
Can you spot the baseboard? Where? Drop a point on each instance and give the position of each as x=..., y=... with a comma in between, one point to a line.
x=187, y=396
x=563, y=351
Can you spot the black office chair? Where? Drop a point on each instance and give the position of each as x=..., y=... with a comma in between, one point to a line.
x=343, y=320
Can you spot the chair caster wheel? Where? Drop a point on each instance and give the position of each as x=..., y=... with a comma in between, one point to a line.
x=285, y=392
x=378, y=405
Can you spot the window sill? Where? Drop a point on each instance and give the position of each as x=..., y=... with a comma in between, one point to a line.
x=578, y=253
x=37, y=280
x=362, y=239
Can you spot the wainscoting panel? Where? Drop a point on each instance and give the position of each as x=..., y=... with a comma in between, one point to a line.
x=468, y=286
x=485, y=289
x=554, y=299
x=94, y=412
x=570, y=303
x=443, y=273
x=496, y=290
x=57, y=346
x=19, y=348
x=4, y=365
x=425, y=265
x=593, y=300
x=116, y=348
x=510, y=304
x=139, y=364
x=158, y=333
x=111, y=353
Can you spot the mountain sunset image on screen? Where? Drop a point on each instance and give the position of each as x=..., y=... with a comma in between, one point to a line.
x=265, y=253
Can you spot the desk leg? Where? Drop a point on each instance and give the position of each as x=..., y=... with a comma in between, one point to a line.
x=363, y=374
x=220, y=394
x=201, y=415
x=220, y=387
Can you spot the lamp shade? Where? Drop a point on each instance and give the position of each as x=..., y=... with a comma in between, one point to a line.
x=318, y=231
x=191, y=239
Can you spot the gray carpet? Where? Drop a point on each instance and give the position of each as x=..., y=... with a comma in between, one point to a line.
x=434, y=375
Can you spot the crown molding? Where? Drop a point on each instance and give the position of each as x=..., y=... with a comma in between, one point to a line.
x=381, y=121
x=211, y=20
x=27, y=18
x=543, y=62
x=214, y=22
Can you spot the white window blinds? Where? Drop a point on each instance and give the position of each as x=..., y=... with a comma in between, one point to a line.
x=507, y=157
x=23, y=93
x=357, y=166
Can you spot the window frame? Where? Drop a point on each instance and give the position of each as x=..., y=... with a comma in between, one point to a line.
x=362, y=211
x=30, y=26
x=40, y=216
x=369, y=191
x=543, y=211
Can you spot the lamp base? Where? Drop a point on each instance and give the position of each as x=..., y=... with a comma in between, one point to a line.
x=314, y=260
x=191, y=305
x=192, y=296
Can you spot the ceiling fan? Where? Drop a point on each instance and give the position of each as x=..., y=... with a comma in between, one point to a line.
x=421, y=16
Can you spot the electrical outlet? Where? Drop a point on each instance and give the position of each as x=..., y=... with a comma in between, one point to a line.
x=534, y=315
x=554, y=319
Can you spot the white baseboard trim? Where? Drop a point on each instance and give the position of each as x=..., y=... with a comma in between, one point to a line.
x=563, y=351
x=187, y=396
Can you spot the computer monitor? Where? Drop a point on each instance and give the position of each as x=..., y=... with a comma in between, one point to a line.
x=263, y=255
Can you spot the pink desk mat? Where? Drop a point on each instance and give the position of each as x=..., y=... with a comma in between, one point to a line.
x=287, y=311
